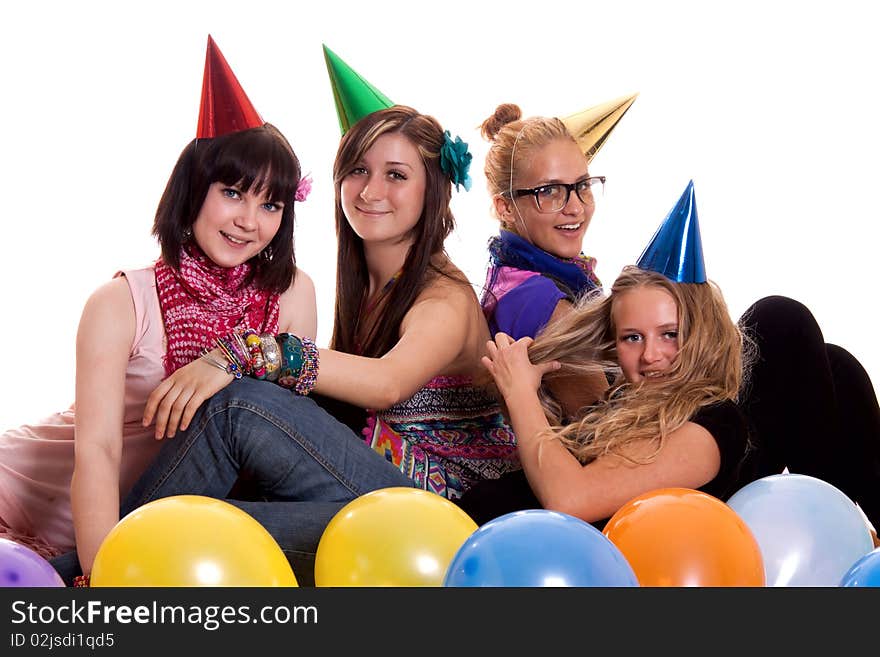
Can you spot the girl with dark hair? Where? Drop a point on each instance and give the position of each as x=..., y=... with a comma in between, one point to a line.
x=408, y=337
x=407, y=319
x=225, y=227
x=409, y=331
x=403, y=369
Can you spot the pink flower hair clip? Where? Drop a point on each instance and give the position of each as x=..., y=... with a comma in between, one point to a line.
x=303, y=188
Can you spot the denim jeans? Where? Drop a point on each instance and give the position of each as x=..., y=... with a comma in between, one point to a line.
x=303, y=462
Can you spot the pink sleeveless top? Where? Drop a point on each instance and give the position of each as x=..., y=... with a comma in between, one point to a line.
x=36, y=460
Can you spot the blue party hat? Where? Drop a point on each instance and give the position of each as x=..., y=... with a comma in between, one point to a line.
x=676, y=250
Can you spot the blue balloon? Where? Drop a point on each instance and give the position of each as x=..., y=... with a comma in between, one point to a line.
x=809, y=532
x=864, y=572
x=538, y=548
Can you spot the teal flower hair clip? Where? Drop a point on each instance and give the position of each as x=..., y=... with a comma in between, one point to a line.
x=455, y=160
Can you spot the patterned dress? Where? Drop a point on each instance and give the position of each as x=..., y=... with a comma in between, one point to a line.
x=446, y=437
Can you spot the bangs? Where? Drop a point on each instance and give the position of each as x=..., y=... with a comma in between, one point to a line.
x=355, y=143
x=265, y=164
x=421, y=130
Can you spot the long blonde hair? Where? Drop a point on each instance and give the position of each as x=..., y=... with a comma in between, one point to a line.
x=709, y=368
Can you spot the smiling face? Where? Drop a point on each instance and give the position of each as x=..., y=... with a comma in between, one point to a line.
x=384, y=194
x=560, y=233
x=646, y=332
x=233, y=225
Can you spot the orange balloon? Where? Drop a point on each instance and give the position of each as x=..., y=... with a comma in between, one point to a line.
x=682, y=537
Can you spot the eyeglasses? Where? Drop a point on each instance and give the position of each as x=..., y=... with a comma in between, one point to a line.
x=554, y=197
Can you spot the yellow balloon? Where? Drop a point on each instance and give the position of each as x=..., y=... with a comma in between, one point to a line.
x=391, y=537
x=190, y=540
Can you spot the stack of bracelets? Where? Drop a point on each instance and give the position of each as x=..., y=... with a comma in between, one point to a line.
x=285, y=359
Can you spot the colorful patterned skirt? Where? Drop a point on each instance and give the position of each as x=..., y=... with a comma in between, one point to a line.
x=446, y=437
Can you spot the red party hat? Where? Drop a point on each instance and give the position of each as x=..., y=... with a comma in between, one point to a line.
x=225, y=106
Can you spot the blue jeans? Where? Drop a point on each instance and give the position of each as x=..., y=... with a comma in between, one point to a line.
x=303, y=462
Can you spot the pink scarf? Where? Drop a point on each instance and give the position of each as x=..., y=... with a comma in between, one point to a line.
x=203, y=301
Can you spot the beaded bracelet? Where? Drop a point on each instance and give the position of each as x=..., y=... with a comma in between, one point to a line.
x=81, y=582
x=254, y=345
x=308, y=375
x=290, y=361
x=299, y=363
x=247, y=352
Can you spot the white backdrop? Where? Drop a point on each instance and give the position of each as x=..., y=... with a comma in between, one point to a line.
x=770, y=107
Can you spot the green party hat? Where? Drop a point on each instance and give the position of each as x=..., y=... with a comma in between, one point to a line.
x=354, y=96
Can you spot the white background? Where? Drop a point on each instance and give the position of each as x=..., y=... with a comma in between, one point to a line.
x=770, y=107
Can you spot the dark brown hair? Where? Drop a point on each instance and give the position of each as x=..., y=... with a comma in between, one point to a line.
x=428, y=235
x=255, y=160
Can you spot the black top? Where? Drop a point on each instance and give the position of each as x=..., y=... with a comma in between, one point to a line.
x=511, y=492
x=729, y=427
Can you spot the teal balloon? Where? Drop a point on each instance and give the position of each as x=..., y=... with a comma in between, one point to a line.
x=809, y=532
x=539, y=548
x=864, y=572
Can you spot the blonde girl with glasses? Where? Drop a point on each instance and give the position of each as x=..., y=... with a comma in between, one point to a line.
x=544, y=196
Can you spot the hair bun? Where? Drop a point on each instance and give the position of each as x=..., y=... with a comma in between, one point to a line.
x=504, y=114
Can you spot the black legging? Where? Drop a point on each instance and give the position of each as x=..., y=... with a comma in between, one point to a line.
x=810, y=405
